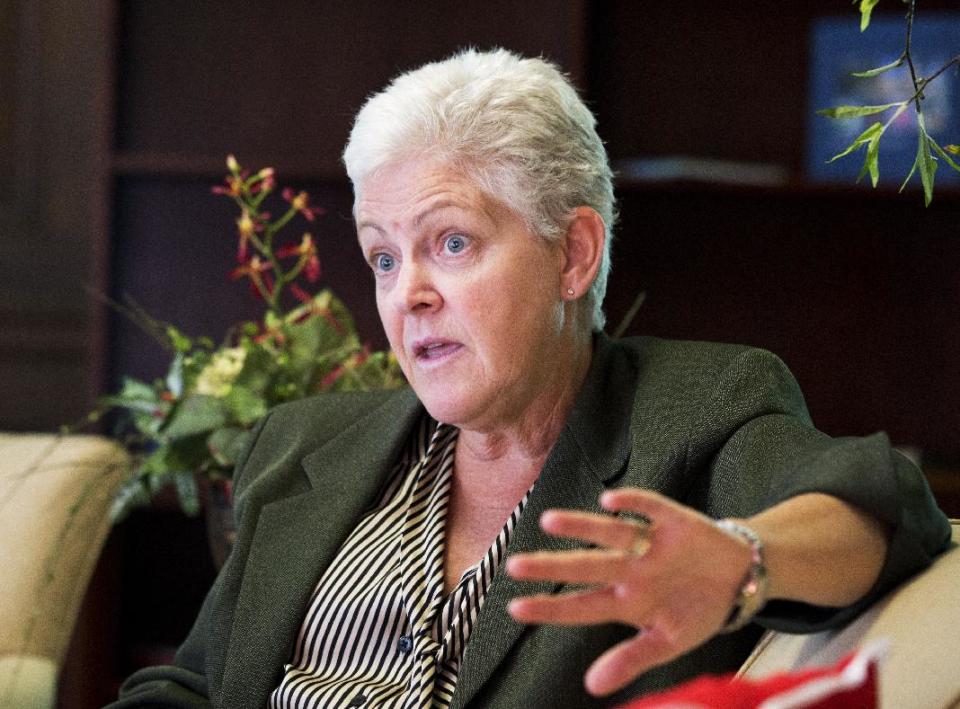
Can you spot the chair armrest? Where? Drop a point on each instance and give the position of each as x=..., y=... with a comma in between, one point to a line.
x=55, y=493
x=920, y=618
x=28, y=682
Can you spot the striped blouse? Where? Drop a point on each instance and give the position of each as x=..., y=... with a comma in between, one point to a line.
x=378, y=630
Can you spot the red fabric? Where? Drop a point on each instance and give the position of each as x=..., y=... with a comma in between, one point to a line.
x=842, y=687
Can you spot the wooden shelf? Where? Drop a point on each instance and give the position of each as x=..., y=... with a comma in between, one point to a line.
x=300, y=168
x=182, y=165
x=795, y=187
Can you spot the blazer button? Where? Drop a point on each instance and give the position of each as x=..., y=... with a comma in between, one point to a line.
x=405, y=644
x=357, y=701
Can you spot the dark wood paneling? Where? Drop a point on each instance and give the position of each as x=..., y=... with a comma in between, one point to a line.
x=10, y=61
x=52, y=219
x=43, y=362
x=856, y=292
x=211, y=78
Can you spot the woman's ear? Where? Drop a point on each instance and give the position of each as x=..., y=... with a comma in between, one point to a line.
x=582, y=252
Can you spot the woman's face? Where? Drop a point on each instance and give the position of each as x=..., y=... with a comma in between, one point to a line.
x=469, y=298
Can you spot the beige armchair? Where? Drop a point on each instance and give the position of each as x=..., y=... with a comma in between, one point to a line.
x=921, y=619
x=54, y=495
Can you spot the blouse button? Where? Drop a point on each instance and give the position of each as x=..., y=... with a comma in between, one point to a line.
x=357, y=701
x=405, y=644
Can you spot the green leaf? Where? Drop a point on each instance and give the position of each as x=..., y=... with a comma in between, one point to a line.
x=180, y=342
x=145, y=406
x=870, y=73
x=942, y=153
x=246, y=406
x=259, y=366
x=186, y=486
x=136, y=390
x=866, y=8
x=132, y=493
x=844, y=112
x=174, y=380
x=925, y=161
x=184, y=455
x=913, y=169
x=226, y=445
x=871, y=160
x=195, y=415
x=875, y=130
x=141, y=402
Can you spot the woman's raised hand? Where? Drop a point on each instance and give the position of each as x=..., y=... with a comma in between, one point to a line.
x=674, y=579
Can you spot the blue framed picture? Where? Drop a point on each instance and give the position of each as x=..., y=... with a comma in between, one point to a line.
x=837, y=49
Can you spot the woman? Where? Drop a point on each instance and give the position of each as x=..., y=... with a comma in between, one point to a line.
x=371, y=565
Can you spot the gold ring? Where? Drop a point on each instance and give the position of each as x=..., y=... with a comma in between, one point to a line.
x=641, y=539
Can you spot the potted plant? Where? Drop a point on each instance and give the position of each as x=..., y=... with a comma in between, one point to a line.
x=186, y=429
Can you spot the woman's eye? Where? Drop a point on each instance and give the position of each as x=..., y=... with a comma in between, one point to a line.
x=383, y=262
x=455, y=243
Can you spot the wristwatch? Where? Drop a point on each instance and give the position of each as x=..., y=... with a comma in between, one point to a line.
x=753, y=590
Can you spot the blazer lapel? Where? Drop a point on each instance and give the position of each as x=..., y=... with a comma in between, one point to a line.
x=593, y=450
x=297, y=537
x=495, y=631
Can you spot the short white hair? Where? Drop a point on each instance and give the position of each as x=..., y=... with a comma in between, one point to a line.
x=514, y=125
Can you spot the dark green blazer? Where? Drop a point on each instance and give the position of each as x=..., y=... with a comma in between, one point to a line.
x=721, y=428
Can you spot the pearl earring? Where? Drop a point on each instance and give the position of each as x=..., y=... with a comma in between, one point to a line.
x=569, y=291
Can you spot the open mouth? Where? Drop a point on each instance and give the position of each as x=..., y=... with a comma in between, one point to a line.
x=435, y=349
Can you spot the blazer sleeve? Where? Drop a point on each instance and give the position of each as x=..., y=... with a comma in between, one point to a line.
x=186, y=683
x=758, y=446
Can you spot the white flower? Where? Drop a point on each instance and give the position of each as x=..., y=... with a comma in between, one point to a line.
x=218, y=376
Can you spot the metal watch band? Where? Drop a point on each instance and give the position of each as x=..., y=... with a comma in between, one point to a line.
x=753, y=591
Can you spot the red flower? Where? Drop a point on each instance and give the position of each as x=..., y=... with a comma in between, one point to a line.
x=312, y=268
x=274, y=333
x=307, y=251
x=246, y=226
x=260, y=282
x=232, y=186
x=265, y=181
x=331, y=379
x=300, y=294
x=300, y=202
x=232, y=183
x=355, y=361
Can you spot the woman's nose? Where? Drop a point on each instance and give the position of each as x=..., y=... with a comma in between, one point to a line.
x=415, y=290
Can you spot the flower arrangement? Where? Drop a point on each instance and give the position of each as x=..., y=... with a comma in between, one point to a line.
x=195, y=421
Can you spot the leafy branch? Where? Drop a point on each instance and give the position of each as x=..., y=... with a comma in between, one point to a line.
x=928, y=150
